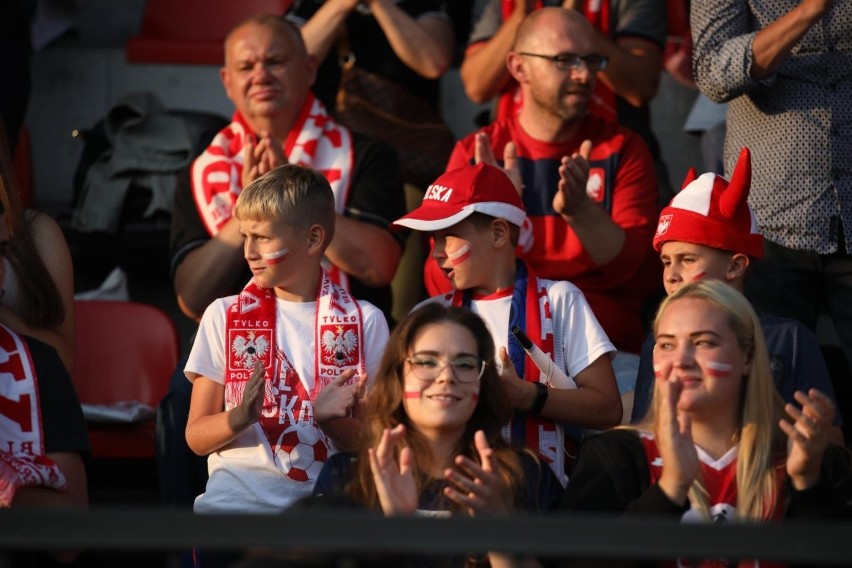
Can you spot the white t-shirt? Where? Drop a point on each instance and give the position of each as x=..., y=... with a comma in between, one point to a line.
x=245, y=476
x=578, y=339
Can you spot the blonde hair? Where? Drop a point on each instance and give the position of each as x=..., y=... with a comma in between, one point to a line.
x=761, y=442
x=296, y=196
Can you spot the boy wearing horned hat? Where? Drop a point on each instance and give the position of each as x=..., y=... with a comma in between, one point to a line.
x=709, y=231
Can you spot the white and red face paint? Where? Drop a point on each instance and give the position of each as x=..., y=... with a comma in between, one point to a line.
x=698, y=275
x=458, y=256
x=718, y=369
x=692, y=373
x=277, y=257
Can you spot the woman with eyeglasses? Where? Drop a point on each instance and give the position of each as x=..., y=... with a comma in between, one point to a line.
x=432, y=442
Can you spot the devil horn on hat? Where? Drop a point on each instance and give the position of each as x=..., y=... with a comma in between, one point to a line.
x=691, y=174
x=737, y=192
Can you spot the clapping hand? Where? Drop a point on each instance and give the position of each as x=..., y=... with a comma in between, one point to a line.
x=338, y=399
x=395, y=484
x=261, y=156
x=514, y=387
x=573, y=177
x=247, y=412
x=807, y=436
x=482, y=152
x=674, y=440
x=477, y=487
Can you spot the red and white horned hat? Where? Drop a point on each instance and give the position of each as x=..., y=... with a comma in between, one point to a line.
x=713, y=212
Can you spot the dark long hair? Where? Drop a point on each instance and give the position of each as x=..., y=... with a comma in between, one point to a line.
x=42, y=303
x=384, y=407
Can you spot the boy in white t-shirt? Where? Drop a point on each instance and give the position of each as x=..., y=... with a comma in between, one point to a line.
x=475, y=216
x=277, y=369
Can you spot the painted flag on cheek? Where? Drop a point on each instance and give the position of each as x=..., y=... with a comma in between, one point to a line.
x=717, y=369
x=276, y=257
x=699, y=276
x=459, y=256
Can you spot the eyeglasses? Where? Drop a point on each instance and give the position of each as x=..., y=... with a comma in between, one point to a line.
x=466, y=369
x=565, y=61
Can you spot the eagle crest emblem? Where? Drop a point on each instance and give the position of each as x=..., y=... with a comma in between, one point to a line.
x=595, y=184
x=250, y=348
x=663, y=225
x=339, y=345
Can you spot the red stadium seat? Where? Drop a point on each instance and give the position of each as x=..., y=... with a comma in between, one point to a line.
x=192, y=32
x=126, y=351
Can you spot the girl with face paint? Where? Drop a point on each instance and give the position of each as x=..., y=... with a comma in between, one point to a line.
x=433, y=418
x=719, y=444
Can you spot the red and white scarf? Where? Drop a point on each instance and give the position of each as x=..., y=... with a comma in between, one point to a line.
x=287, y=405
x=22, y=459
x=532, y=431
x=315, y=140
x=602, y=103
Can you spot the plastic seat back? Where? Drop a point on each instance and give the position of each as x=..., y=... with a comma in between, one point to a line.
x=126, y=351
x=192, y=32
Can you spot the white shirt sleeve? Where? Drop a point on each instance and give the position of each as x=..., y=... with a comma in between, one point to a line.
x=207, y=356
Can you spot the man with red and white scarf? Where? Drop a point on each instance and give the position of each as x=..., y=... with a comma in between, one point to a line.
x=268, y=75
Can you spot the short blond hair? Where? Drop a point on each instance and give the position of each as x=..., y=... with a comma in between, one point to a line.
x=296, y=196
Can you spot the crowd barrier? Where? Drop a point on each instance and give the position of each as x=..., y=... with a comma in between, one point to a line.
x=811, y=543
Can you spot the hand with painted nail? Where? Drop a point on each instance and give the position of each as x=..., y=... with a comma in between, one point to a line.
x=674, y=440
x=807, y=435
x=337, y=398
x=394, y=477
x=477, y=486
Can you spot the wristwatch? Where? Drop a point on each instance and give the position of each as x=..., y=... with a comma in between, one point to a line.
x=540, y=399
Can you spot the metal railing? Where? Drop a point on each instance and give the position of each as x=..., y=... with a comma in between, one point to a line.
x=811, y=543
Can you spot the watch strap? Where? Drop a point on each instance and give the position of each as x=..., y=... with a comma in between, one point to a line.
x=540, y=399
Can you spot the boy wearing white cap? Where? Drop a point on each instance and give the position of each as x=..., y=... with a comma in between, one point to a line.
x=709, y=231
x=475, y=216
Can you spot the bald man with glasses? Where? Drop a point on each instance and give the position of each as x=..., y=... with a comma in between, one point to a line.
x=588, y=185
